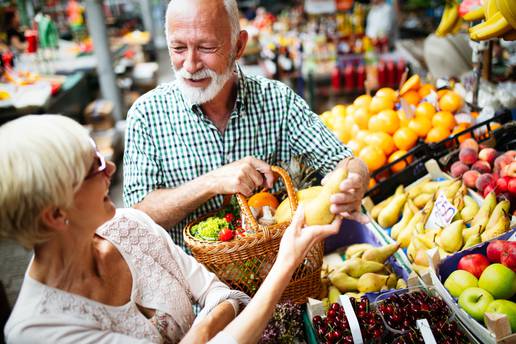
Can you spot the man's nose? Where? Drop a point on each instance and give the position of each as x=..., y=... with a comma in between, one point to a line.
x=192, y=62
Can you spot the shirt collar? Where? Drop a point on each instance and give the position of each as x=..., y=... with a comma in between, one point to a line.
x=240, y=98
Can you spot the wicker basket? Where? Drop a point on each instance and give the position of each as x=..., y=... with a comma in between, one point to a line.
x=244, y=262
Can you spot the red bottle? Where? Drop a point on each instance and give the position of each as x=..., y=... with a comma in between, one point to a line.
x=382, y=77
x=391, y=76
x=335, y=78
x=361, y=76
x=400, y=69
x=349, y=77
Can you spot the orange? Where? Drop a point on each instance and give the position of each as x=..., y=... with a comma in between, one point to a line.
x=450, y=101
x=373, y=157
x=391, y=119
x=405, y=138
x=380, y=103
x=361, y=117
x=444, y=119
x=388, y=93
x=459, y=129
x=383, y=141
x=339, y=110
x=377, y=123
x=261, y=199
x=372, y=183
x=404, y=121
x=474, y=114
x=412, y=84
x=412, y=97
x=437, y=134
x=350, y=109
x=342, y=134
x=495, y=125
x=326, y=118
x=362, y=135
x=420, y=125
x=425, y=90
x=442, y=92
x=399, y=165
x=355, y=146
x=362, y=101
x=426, y=110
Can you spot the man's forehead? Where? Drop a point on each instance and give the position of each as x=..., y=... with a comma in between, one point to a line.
x=195, y=8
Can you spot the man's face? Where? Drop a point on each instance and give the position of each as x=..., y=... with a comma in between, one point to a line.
x=199, y=41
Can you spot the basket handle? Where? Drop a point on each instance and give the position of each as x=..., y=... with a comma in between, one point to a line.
x=246, y=211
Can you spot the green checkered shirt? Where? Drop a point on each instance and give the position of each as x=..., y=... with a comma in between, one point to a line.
x=170, y=142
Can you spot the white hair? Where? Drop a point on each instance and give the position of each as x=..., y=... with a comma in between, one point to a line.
x=231, y=7
x=43, y=161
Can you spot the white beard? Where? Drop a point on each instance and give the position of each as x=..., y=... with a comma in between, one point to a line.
x=201, y=95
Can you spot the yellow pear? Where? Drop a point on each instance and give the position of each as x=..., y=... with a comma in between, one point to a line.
x=419, y=268
x=450, y=191
x=375, y=212
x=401, y=284
x=333, y=294
x=356, y=267
x=343, y=282
x=325, y=304
x=391, y=281
x=502, y=226
x=380, y=254
x=473, y=240
x=284, y=213
x=391, y=213
x=499, y=211
x=482, y=216
x=317, y=211
x=470, y=231
x=405, y=218
x=421, y=217
x=421, y=200
x=356, y=250
x=458, y=199
x=371, y=282
x=421, y=258
x=450, y=239
x=470, y=209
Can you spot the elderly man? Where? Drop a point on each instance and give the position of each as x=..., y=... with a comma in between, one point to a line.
x=215, y=131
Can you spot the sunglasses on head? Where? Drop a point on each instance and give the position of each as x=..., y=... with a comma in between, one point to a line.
x=99, y=164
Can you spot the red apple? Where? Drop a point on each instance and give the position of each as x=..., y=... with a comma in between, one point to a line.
x=502, y=184
x=473, y=263
x=508, y=255
x=494, y=250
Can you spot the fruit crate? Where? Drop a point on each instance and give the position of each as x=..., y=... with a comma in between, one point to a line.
x=446, y=151
x=440, y=270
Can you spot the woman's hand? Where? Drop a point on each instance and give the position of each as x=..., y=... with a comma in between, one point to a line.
x=297, y=241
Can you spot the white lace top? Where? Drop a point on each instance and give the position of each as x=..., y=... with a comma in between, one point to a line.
x=164, y=279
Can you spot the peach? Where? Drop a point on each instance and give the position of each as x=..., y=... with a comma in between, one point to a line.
x=488, y=154
x=502, y=161
x=509, y=170
x=458, y=168
x=512, y=154
x=511, y=186
x=468, y=156
x=484, y=181
x=469, y=143
x=470, y=178
x=502, y=184
x=481, y=166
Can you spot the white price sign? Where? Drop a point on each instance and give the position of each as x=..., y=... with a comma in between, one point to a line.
x=442, y=213
x=426, y=331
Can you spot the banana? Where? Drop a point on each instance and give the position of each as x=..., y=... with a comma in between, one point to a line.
x=508, y=10
x=489, y=8
x=496, y=26
x=448, y=20
x=458, y=24
x=475, y=14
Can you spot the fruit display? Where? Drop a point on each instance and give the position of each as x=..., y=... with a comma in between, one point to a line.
x=484, y=169
x=450, y=20
x=485, y=283
x=383, y=128
x=409, y=218
x=366, y=269
x=499, y=20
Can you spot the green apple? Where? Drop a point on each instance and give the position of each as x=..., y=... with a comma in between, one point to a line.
x=475, y=301
x=498, y=280
x=504, y=307
x=459, y=280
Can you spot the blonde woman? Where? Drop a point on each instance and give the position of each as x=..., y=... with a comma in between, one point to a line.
x=101, y=275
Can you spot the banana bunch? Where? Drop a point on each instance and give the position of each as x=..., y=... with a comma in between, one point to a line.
x=450, y=21
x=500, y=20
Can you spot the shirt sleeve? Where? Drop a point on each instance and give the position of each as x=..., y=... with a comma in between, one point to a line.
x=62, y=330
x=142, y=172
x=310, y=140
x=205, y=287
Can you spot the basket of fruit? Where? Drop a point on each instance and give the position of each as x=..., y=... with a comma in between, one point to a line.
x=244, y=253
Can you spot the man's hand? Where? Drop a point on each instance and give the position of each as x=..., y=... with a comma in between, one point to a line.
x=347, y=203
x=242, y=176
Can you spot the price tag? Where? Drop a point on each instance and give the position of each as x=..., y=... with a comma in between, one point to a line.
x=354, y=325
x=442, y=213
x=426, y=331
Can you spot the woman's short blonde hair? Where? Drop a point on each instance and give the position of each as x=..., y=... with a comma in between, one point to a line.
x=43, y=161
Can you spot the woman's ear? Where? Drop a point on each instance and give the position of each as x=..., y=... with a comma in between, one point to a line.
x=54, y=219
